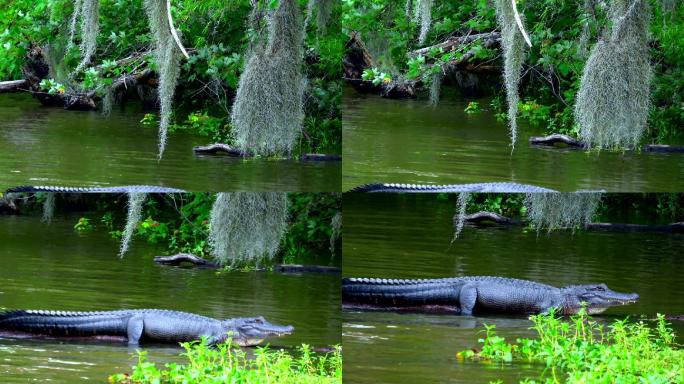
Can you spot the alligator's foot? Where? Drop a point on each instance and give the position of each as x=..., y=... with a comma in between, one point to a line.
x=451, y=188
x=557, y=139
x=115, y=189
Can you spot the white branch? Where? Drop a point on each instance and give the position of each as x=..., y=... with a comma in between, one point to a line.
x=173, y=30
x=518, y=20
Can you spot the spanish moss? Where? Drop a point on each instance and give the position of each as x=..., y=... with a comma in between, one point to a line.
x=436, y=87
x=614, y=96
x=246, y=227
x=323, y=9
x=336, y=225
x=561, y=210
x=135, y=204
x=268, y=110
x=459, y=219
x=424, y=17
x=512, y=41
x=167, y=58
x=90, y=27
x=48, y=207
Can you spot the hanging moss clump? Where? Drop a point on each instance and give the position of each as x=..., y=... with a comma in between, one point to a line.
x=167, y=58
x=459, y=218
x=135, y=204
x=436, y=87
x=614, y=96
x=323, y=9
x=561, y=210
x=513, y=43
x=88, y=11
x=423, y=15
x=246, y=227
x=268, y=111
x=48, y=207
x=336, y=225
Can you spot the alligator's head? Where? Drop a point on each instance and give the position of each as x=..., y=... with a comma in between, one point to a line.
x=596, y=297
x=248, y=331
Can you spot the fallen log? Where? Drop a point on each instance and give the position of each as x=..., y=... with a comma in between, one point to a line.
x=662, y=148
x=185, y=258
x=181, y=259
x=484, y=217
x=219, y=148
x=13, y=86
x=556, y=139
x=213, y=149
x=450, y=44
x=666, y=228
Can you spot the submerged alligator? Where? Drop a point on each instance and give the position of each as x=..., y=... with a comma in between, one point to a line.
x=115, y=189
x=480, y=294
x=141, y=325
x=451, y=188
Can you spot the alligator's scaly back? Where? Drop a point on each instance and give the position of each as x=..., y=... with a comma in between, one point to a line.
x=451, y=188
x=113, y=189
x=481, y=294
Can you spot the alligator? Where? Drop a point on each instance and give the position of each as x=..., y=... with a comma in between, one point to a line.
x=480, y=294
x=451, y=188
x=114, y=189
x=141, y=325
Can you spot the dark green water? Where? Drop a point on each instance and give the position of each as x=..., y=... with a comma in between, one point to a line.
x=53, y=267
x=409, y=141
x=408, y=236
x=51, y=146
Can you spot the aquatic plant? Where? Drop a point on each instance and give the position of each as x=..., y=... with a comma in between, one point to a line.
x=246, y=227
x=512, y=41
x=561, y=210
x=459, y=218
x=135, y=204
x=48, y=207
x=226, y=363
x=167, y=59
x=586, y=351
x=268, y=110
x=614, y=97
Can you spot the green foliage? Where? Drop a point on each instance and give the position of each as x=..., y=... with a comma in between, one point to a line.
x=582, y=350
x=229, y=364
x=375, y=76
x=314, y=228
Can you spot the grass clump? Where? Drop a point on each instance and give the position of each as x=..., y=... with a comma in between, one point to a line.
x=228, y=364
x=582, y=350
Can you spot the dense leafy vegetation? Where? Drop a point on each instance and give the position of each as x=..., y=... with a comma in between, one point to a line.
x=181, y=223
x=562, y=33
x=583, y=350
x=218, y=35
x=227, y=364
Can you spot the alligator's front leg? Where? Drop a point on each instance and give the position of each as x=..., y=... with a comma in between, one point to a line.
x=467, y=299
x=134, y=328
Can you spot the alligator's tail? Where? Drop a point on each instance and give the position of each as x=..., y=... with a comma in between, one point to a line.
x=399, y=293
x=61, y=323
x=113, y=189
